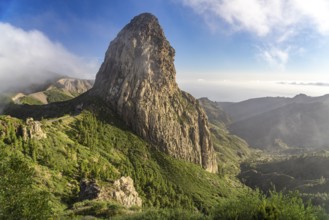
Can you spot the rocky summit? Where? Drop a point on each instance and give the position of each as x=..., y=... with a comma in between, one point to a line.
x=137, y=78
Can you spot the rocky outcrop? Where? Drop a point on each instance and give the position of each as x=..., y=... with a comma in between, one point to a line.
x=122, y=191
x=32, y=129
x=137, y=78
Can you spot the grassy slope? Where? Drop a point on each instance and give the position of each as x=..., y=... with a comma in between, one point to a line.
x=53, y=95
x=86, y=147
x=231, y=149
x=102, y=148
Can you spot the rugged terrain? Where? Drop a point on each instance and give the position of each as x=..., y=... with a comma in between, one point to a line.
x=133, y=147
x=231, y=150
x=277, y=123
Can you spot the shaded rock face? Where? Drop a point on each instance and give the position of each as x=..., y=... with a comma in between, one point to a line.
x=137, y=78
x=88, y=190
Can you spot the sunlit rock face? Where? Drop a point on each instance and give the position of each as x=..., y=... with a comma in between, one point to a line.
x=137, y=78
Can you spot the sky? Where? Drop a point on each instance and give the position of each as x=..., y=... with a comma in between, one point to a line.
x=226, y=50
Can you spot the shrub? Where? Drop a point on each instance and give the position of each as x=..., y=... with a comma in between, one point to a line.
x=255, y=205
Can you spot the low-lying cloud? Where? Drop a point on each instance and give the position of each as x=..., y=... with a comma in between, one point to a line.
x=305, y=83
x=29, y=56
x=239, y=90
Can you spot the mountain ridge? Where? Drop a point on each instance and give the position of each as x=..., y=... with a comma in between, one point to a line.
x=60, y=89
x=275, y=123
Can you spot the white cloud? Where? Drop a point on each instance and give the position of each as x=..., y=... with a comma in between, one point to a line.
x=263, y=17
x=26, y=56
x=275, y=22
x=304, y=83
x=275, y=57
x=315, y=11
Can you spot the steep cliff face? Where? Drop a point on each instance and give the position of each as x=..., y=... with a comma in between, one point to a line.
x=137, y=78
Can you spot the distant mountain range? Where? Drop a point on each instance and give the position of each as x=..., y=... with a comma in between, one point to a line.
x=280, y=123
x=55, y=90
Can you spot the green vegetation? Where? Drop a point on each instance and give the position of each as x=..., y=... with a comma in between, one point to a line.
x=56, y=95
x=29, y=100
x=19, y=198
x=249, y=205
x=101, y=149
x=255, y=205
x=231, y=150
x=307, y=173
x=164, y=214
x=84, y=147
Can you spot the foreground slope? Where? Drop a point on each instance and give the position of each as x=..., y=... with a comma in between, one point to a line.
x=70, y=151
x=70, y=167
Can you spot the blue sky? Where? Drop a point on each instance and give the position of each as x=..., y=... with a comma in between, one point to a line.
x=225, y=49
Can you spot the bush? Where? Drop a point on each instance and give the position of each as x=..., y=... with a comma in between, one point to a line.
x=164, y=214
x=97, y=208
x=18, y=198
x=255, y=205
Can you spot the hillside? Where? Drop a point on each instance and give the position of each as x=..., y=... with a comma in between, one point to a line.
x=73, y=149
x=281, y=123
x=53, y=91
x=306, y=173
x=74, y=164
x=231, y=150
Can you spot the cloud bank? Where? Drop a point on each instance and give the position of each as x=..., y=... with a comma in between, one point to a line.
x=240, y=90
x=29, y=56
x=305, y=83
x=276, y=22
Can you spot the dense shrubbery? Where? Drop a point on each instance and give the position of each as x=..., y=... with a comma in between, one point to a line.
x=132, y=157
x=29, y=101
x=19, y=199
x=252, y=205
x=307, y=173
x=164, y=214
x=56, y=95
x=255, y=205
x=85, y=147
